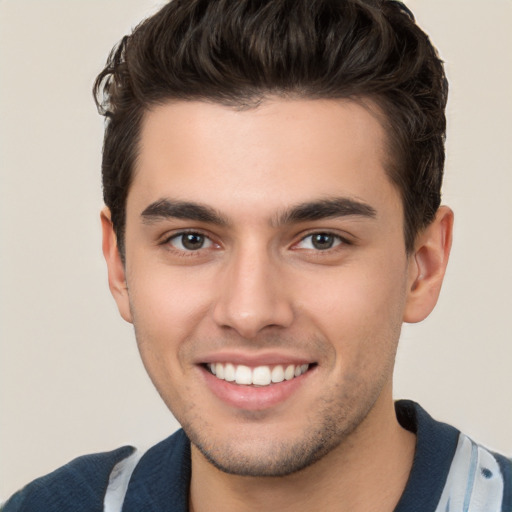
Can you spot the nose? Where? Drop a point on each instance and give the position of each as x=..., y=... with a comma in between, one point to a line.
x=252, y=296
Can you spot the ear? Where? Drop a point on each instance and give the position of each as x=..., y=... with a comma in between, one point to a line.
x=115, y=266
x=427, y=266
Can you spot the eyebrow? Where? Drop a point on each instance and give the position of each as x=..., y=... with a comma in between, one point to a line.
x=326, y=208
x=307, y=211
x=165, y=209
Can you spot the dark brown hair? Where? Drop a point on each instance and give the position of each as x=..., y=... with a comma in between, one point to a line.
x=238, y=52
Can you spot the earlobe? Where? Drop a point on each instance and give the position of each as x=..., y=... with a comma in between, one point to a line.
x=115, y=266
x=427, y=266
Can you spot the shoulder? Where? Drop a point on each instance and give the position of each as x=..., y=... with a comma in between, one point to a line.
x=159, y=475
x=505, y=465
x=79, y=485
x=451, y=470
x=478, y=476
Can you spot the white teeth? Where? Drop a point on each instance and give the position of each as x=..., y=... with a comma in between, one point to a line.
x=219, y=370
x=259, y=376
x=277, y=374
x=289, y=373
x=243, y=375
x=229, y=372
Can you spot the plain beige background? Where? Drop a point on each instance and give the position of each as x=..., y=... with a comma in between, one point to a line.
x=71, y=380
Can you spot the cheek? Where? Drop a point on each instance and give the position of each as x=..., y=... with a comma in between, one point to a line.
x=358, y=306
x=168, y=293
x=167, y=306
x=165, y=309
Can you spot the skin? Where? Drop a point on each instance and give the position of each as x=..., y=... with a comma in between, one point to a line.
x=259, y=288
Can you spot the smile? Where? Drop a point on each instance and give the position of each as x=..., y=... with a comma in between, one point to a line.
x=258, y=376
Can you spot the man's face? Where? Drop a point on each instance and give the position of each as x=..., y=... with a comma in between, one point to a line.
x=264, y=244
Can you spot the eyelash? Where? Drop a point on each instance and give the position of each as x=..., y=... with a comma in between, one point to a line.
x=184, y=251
x=338, y=240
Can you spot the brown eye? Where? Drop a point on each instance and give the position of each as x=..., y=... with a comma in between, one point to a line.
x=190, y=241
x=320, y=241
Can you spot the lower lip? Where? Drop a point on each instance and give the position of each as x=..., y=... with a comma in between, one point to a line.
x=253, y=398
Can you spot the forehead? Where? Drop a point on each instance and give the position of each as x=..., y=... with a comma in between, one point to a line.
x=282, y=152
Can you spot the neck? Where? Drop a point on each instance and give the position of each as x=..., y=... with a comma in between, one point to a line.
x=367, y=471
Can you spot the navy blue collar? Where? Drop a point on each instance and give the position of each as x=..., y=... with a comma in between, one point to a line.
x=435, y=446
x=161, y=480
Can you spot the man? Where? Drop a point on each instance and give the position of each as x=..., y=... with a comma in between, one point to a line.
x=272, y=176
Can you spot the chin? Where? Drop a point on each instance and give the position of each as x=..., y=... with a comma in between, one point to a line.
x=275, y=460
x=264, y=453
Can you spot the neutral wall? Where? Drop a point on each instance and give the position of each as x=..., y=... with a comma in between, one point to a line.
x=71, y=380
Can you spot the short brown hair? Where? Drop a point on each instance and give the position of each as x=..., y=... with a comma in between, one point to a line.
x=238, y=52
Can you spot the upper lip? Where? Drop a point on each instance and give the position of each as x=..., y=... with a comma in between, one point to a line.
x=256, y=359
